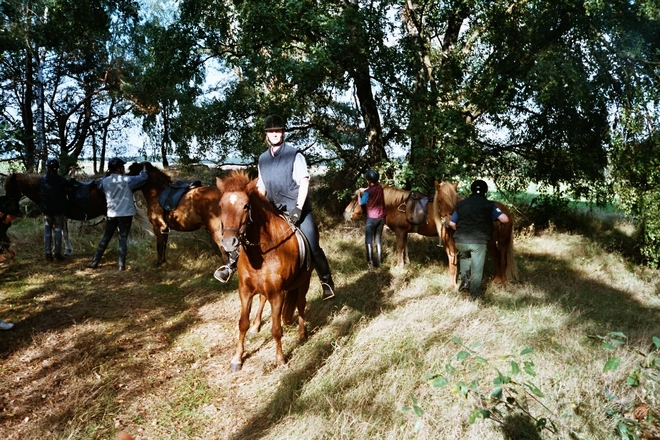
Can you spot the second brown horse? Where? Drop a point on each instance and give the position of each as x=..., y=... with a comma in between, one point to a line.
x=198, y=208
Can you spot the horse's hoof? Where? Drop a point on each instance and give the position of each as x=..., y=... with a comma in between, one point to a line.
x=236, y=367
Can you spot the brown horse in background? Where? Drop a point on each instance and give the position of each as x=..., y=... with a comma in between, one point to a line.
x=395, y=219
x=500, y=247
x=18, y=185
x=198, y=208
x=269, y=263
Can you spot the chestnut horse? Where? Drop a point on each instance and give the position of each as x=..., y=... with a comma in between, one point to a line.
x=198, y=208
x=268, y=264
x=500, y=247
x=395, y=219
x=18, y=185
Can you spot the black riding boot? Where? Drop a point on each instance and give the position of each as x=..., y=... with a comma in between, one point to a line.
x=370, y=260
x=97, y=259
x=379, y=256
x=323, y=271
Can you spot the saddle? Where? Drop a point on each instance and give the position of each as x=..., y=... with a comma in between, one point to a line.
x=170, y=197
x=303, y=245
x=416, y=207
x=80, y=193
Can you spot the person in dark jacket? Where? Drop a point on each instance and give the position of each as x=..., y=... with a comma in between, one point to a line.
x=473, y=221
x=9, y=210
x=52, y=189
x=118, y=189
x=284, y=180
x=373, y=204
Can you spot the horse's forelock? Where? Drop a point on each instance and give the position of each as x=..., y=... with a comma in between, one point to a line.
x=237, y=181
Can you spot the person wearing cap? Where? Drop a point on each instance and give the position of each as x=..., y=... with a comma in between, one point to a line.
x=9, y=210
x=284, y=181
x=373, y=203
x=473, y=222
x=118, y=189
x=52, y=191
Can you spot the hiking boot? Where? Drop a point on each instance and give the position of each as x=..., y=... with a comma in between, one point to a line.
x=6, y=325
x=223, y=273
x=464, y=284
x=93, y=265
x=49, y=257
x=122, y=267
x=59, y=257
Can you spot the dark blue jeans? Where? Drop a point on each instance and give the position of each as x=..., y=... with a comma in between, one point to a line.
x=123, y=224
x=53, y=225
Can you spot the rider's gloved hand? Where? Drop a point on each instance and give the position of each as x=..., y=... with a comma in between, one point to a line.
x=295, y=215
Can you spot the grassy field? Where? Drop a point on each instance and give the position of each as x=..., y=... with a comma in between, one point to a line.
x=147, y=351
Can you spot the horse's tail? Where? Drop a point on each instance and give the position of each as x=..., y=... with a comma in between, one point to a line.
x=512, y=273
x=290, y=300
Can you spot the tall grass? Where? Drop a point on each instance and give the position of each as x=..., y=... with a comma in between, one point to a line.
x=148, y=350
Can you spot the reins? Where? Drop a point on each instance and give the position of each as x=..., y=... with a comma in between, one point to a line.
x=245, y=242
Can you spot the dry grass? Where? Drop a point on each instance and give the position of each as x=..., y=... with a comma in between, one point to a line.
x=147, y=351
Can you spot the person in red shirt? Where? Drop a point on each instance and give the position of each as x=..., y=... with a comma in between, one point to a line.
x=373, y=203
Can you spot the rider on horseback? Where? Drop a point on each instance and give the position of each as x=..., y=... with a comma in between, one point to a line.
x=284, y=180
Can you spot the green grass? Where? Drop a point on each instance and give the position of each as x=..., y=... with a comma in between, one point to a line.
x=148, y=350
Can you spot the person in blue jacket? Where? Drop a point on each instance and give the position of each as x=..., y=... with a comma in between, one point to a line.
x=52, y=192
x=473, y=222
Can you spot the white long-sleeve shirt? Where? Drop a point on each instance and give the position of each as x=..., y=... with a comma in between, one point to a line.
x=118, y=189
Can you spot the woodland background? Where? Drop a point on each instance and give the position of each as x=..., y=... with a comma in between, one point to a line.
x=559, y=94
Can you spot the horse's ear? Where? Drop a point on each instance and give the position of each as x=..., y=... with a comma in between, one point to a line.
x=251, y=186
x=437, y=185
x=219, y=183
x=456, y=185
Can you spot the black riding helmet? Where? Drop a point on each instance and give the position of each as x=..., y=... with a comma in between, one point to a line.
x=372, y=176
x=53, y=164
x=274, y=123
x=115, y=164
x=479, y=187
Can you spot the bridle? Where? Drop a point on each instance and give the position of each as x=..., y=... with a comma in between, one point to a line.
x=245, y=242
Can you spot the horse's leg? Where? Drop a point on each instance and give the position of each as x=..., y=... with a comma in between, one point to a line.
x=256, y=323
x=504, y=250
x=243, y=325
x=161, y=244
x=301, y=304
x=452, y=260
x=406, y=259
x=68, y=249
x=495, y=255
x=399, y=248
x=276, y=330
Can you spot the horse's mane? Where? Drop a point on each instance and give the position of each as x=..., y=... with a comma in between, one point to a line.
x=394, y=196
x=157, y=177
x=447, y=194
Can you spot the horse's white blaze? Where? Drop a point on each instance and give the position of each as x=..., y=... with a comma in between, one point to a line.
x=233, y=199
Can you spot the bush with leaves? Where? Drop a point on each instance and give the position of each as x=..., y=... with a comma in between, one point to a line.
x=638, y=416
